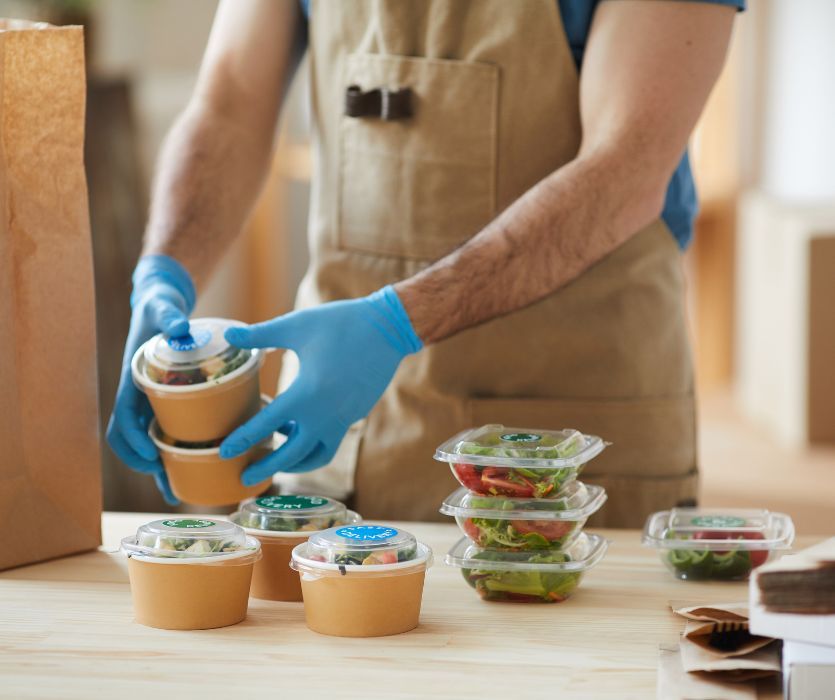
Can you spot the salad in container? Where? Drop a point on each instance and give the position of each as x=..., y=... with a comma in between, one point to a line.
x=200, y=387
x=362, y=580
x=281, y=523
x=518, y=462
x=542, y=576
x=190, y=573
x=521, y=524
x=197, y=473
x=712, y=544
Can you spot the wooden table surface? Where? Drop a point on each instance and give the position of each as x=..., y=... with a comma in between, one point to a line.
x=67, y=630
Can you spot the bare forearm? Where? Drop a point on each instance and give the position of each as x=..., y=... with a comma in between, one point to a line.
x=208, y=177
x=545, y=239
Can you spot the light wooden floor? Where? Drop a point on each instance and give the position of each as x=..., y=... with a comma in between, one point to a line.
x=742, y=466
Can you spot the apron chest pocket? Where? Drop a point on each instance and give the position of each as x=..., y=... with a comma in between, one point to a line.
x=420, y=186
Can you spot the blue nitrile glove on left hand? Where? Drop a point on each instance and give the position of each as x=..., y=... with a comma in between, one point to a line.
x=162, y=299
x=348, y=352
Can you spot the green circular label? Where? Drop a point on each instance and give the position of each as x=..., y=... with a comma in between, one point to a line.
x=521, y=437
x=188, y=524
x=290, y=502
x=718, y=521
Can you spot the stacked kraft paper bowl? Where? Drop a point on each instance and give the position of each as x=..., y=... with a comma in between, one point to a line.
x=187, y=573
x=523, y=510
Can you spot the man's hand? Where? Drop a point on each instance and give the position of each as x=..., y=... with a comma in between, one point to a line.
x=647, y=72
x=162, y=299
x=348, y=352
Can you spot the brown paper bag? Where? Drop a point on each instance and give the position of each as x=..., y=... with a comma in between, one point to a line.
x=704, y=620
x=50, y=490
x=674, y=683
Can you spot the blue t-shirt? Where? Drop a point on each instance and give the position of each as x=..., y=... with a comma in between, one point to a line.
x=680, y=204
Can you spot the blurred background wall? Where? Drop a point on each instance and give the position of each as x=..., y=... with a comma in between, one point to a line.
x=761, y=269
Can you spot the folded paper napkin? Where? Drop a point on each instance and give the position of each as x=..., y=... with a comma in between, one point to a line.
x=717, y=656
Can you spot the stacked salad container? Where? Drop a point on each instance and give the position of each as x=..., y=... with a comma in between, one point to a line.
x=522, y=511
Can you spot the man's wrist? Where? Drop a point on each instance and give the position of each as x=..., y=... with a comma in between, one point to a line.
x=399, y=329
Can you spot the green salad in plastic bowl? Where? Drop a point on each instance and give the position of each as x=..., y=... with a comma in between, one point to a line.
x=518, y=462
x=546, y=576
x=362, y=545
x=187, y=538
x=709, y=544
x=292, y=514
x=517, y=524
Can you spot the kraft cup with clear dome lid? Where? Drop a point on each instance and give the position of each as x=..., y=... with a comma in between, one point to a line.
x=718, y=544
x=362, y=580
x=542, y=576
x=519, y=524
x=190, y=573
x=495, y=460
x=199, y=476
x=200, y=387
x=281, y=523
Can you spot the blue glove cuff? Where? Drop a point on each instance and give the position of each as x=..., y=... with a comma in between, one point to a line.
x=156, y=269
x=398, y=328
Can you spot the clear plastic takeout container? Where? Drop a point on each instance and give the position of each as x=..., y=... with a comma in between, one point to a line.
x=495, y=460
x=189, y=539
x=292, y=515
x=725, y=544
x=200, y=387
x=362, y=580
x=497, y=522
x=544, y=576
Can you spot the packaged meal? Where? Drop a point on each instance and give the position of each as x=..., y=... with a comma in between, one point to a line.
x=190, y=573
x=542, y=576
x=362, y=580
x=281, y=523
x=200, y=387
x=518, y=462
x=517, y=524
x=292, y=514
x=699, y=544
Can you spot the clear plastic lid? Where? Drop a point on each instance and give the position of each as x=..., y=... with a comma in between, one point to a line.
x=575, y=501
x=499, y=446
x=187, y=538
x=362, y=545
x=288, y=513
x=711, y=528
x=583, y=553
x=202, y=356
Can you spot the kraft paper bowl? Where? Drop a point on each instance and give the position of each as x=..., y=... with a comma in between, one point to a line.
x=207, y=411
x=192, y=594
x=362, y=601
x=202, y=477
x=273, y=579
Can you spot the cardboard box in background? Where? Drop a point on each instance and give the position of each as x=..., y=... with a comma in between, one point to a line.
x=50, y=481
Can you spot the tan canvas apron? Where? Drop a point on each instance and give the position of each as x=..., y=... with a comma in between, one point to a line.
x=495, y=110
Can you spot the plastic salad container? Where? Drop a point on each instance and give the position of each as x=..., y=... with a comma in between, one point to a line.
x=281, y=523
x=544, y=576
x=699, y=544
x=518, y=462
x=362, y=580
x=518, y=524
x=189, y=573
x=197, y=473
x=200, y=387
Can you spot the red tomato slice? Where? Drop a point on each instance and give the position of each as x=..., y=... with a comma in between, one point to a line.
x=471, y=530
x=496, y=481
x=549, y=529
x=469, y=476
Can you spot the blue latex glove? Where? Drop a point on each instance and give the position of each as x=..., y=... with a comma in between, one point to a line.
x=348, y=352
x=162, y=299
